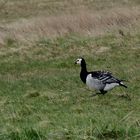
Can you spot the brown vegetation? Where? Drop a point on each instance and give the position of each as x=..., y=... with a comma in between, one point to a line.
x=85, y=22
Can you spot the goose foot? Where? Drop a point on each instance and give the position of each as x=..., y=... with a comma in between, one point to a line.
x=95, y=94
x=102, y=92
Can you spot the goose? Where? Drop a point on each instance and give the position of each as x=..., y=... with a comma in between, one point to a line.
x=102, y=81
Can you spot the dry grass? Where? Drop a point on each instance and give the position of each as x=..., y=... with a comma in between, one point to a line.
x=85, y=22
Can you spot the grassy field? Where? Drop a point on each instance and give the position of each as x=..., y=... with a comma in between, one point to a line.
x=41, y=95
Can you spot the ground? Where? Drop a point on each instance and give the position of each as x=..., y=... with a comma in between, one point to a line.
x=41, y=94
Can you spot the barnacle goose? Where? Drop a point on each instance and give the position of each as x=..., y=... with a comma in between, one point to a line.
x=98, y=80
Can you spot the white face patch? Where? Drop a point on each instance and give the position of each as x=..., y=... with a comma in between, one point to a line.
x=78, y=61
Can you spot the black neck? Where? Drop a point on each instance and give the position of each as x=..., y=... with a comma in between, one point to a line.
x=83, y=74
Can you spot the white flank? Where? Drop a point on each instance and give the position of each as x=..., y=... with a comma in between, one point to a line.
x=110, y=86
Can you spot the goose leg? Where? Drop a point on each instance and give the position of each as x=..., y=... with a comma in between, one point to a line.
x=103, y=92
x=98, y=93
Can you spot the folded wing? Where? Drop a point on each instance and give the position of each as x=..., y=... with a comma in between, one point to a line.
x=105, y=77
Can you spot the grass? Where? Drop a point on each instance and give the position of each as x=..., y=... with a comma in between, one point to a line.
x=41, y=94
x=15, y=9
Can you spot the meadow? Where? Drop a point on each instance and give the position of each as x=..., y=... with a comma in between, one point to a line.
x=41, y=94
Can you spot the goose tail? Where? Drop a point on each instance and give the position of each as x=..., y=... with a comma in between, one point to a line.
x=122, y=84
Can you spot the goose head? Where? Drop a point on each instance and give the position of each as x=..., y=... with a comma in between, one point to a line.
x=80, y=61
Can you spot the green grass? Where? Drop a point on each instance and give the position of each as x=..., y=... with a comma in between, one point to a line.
x=42, y=97
x=41, y=94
